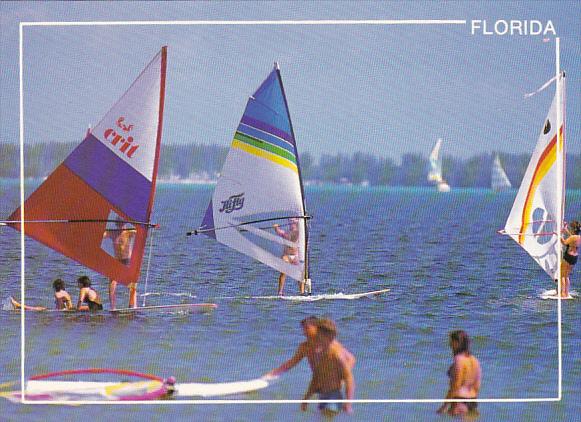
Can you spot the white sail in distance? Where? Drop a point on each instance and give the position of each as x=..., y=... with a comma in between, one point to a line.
x=499, y=179
x=435, y=173
x=260, y=185
x=536, y=217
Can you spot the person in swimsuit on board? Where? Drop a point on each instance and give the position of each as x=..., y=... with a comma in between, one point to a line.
x=572, y=245
x=89, y=299
x=465, y=375
x=62, y=298
x=63, y=301
x=122, y=238
x=331, y=371
x=290, y=254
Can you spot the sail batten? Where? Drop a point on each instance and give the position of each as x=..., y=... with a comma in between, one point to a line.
x=260, y=182
x=108, y=178
x=535, y=219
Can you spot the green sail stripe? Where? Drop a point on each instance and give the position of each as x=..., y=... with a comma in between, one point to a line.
x=267, y=146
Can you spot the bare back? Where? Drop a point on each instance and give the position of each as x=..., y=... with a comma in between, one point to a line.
x=465, y=376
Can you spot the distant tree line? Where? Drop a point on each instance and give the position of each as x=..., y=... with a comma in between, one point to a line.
x=358, y=168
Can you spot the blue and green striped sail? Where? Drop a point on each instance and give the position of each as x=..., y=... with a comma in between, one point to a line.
x=260, y=181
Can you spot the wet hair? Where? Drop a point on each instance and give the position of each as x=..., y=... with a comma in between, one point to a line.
x=84, y=281
x=310, y=320
x=461, y=342
x=58, y=285
x=575, y=227
x=326, y=327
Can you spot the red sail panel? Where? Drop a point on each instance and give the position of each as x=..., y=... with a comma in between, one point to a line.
x=65, y=196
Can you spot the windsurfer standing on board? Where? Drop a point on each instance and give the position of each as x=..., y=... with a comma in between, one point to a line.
x=122, y=238
x=290, y=253
x=315, y=348
x=570, y=255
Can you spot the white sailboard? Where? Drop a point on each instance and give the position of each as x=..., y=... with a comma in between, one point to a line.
x=48, y=387
x=552, y=294
x=315, y=298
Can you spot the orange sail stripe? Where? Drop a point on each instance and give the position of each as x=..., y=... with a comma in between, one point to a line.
x=545, y=163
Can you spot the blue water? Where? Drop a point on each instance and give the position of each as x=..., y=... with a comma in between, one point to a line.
x=438, y=253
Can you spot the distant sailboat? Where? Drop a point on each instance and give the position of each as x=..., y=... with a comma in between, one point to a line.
x=261, y=184
x=536, y=217
x=499, y=179
x=435, y=173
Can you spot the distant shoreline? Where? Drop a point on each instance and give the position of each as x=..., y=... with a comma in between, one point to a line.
x=314, y=186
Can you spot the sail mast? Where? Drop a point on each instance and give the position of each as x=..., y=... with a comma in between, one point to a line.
x=560, y=185
x=307, y=275
x=561, y=207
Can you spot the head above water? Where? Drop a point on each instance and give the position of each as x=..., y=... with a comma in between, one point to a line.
x=326, y=328
x=575, y=227
x=309, y=325
x=84, y=281
x=459, y=342
x=58, y=285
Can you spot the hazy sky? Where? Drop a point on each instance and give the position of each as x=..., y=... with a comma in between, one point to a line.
x=385, y=90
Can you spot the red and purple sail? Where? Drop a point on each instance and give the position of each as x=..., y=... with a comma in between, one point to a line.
x=109, y=178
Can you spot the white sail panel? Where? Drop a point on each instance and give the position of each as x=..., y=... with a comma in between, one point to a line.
x=499, y=179
x=260, y=185
x=435, y=173
x=535, y=219
x=130, y=127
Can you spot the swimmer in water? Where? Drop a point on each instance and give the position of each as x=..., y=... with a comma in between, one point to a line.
x=464, y=374
x=89, y=299
x=62, y=299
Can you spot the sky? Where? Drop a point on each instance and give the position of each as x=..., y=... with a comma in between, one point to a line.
x=385, y=90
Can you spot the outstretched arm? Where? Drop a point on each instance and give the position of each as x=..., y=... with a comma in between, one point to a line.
x=291, y=363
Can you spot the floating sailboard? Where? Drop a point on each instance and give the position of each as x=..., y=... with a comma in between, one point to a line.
x=536, y=217
x=12, y=305
x=48, y=387
x=331, y=296
x=552, y=294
